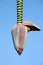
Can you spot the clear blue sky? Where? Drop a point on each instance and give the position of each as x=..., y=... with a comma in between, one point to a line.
x=33, y=51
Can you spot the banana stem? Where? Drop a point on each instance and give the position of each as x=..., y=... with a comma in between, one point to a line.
x=19, y=11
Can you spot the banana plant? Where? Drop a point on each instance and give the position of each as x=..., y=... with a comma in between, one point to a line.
x=20, y=30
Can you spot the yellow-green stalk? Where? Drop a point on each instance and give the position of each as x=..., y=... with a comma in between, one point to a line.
x=19, y=11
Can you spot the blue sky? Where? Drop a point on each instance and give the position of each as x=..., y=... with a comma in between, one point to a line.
x=33, y=51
